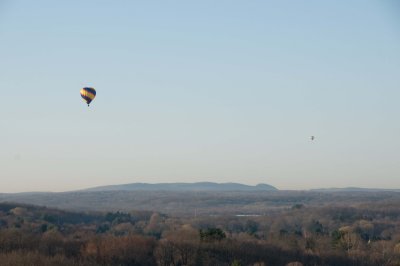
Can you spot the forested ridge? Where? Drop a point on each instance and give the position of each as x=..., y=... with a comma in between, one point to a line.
x=361, y=234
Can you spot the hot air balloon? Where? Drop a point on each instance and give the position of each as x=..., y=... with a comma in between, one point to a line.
x=88, y=94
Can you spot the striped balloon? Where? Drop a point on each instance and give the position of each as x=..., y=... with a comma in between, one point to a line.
x=88, y=94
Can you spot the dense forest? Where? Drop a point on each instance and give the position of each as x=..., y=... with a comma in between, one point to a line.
x=362, y=232
x=190, y=203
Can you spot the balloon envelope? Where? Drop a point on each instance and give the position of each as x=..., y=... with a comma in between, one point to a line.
x=88, y=94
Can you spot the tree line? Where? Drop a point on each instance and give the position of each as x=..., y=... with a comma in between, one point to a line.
x=300, y=235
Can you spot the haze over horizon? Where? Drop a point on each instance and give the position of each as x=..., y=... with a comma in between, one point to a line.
x=188, y=92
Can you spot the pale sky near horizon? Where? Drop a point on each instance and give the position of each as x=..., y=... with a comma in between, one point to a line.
x=187, y=91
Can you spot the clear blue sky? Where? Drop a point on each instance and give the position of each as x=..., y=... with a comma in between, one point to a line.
x=223, y=91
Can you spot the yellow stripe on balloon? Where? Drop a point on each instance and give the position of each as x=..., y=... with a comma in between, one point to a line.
x=88, y=94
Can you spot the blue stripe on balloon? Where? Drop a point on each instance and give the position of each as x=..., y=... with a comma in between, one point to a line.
x=91, y=90
x=87, y=99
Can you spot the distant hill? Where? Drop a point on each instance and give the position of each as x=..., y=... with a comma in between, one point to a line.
x=354, y=189
x=199, y=186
